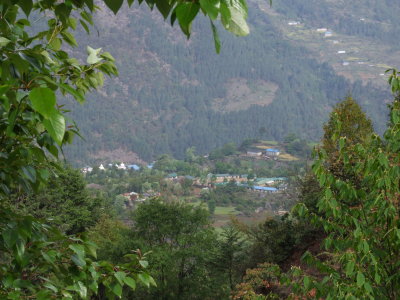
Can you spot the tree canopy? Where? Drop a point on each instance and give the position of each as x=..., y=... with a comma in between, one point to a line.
x=36, y=66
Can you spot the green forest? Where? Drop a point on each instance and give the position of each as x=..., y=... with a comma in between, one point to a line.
x=308, y=209
x=164, y=100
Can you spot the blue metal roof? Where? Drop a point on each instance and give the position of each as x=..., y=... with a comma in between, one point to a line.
x=272, y=150
x=265, y=188
x=134, y=167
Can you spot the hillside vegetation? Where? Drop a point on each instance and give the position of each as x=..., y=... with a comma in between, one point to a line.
x=174, y=93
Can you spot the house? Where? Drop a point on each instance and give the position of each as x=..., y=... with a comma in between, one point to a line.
x=293, y=23
x=134, y=167
x=130, y=199
x=87, y=170
x=254, y=153
x=101, y=167
x=269, y=181
x=328, y=34
x=322, y=30
x=265, y=189
x=341, y=52
x=121, y=166
x=172, y=176
x=345, y=63
x=131, y=196
x=150, y=166
x=272, y=152
x=282, y=212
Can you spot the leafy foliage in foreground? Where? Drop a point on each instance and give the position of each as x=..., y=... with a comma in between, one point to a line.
x=360, y=214
x=37, y=261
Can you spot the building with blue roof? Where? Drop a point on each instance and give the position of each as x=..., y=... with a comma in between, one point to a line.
x=272, y=152
x=265, y=189
x=134, y=167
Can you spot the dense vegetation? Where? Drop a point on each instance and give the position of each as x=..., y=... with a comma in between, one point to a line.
x=345, y=226
x=37, y=260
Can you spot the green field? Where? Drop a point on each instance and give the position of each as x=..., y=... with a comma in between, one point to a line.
x=225, y=210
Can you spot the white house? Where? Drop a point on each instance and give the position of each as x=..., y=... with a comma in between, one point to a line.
x=121, y=166
x=341, y=52
x=322, y=30
x=101, y=167
x=254, y=153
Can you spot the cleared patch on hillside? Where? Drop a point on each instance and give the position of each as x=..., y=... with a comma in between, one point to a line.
x=241, y=94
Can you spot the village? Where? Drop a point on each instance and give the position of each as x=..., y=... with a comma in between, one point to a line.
x=258, y=187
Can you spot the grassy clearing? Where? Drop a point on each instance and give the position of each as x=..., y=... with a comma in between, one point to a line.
x=225, y=210
x=287, y=157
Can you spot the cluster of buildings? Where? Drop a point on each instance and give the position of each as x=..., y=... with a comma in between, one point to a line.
x=264, y=185
x=117, y=166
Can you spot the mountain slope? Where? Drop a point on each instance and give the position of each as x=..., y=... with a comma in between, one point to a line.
x=172, y=93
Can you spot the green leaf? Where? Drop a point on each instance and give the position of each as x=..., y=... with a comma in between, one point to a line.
x=30, y=173
x=185, y=13
x=107, y=56
x=210, y=7
x=78, y=249
x=234, y=15
x=20, y=248
x=114, y=5
x=117, y=290
x=91, y=249
x=79, y=261
x=307, y=282
x=360, y=279
x=4, y=41
x=82, y=290
x=43, y=101
x=143, y=263
x=85, y=26
x=69, y=38
x=377, y=278
x=43, y=295
x=55, y=126
x=350, y=268
x=146, y=279
x=120, y=276
x=93, y=57
x=217, y=42
x=55, y=44
x=76, y=94
x=26, y=6
x=50, y=287
x=368, y=287
x=129, y=281
x=164, y=7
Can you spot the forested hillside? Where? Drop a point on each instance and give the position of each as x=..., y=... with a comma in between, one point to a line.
x=174, y=93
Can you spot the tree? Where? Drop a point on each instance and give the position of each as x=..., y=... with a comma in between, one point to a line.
x=353, y=124
x=65, y=201
x=37, y=261
x=362, y=239
x=182, y=242
x=231, y=255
